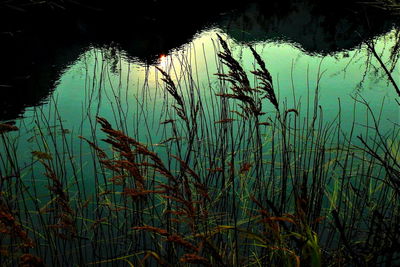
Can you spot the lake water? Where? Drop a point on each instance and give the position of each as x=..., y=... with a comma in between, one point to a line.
x=105, y=82
x=340, y=79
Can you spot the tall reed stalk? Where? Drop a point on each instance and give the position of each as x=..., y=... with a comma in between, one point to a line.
x=217, y=182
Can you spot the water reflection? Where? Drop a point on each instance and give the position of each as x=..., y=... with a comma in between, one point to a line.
x=318, y=29
x=108, y=84
x=132, y=96
x=30, y=73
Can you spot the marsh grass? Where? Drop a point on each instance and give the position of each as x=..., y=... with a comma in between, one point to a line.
x=227, y=184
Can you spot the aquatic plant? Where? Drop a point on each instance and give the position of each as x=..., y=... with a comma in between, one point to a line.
x=233, y=187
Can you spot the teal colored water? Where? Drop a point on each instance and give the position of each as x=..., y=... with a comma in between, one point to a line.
x=347, y=88
x=224, y=174
x=131, y=94
x=104, y=82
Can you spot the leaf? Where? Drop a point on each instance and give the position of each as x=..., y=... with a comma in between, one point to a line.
x=296, y=257
x=217, y=229
x=129, y=263
x=122, y=258
x=394, y=149
x=153, y=254
x=243, y=232
x=311, y=248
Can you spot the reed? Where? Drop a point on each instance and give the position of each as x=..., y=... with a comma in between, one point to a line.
x=226, y=185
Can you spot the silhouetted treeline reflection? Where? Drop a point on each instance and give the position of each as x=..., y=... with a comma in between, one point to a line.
x=40, y=40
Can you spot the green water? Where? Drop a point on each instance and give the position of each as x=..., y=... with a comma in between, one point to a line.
x=104, y=82
x=131, y=95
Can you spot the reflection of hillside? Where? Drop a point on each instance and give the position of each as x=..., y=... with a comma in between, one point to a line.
x=38, y=45
x=315, y=27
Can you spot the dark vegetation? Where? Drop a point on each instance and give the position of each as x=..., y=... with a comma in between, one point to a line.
x=234, y=187
x=231, y=185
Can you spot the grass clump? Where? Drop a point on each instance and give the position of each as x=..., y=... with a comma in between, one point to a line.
x=236, y=187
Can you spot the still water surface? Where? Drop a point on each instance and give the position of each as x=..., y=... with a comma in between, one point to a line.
x=106, y=82
x=337, y=75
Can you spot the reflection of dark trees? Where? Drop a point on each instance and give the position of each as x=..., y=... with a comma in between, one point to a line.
x=386, y=68
x=395, y=51
x=40, y=43
x=317, y=28
x=378, y=67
